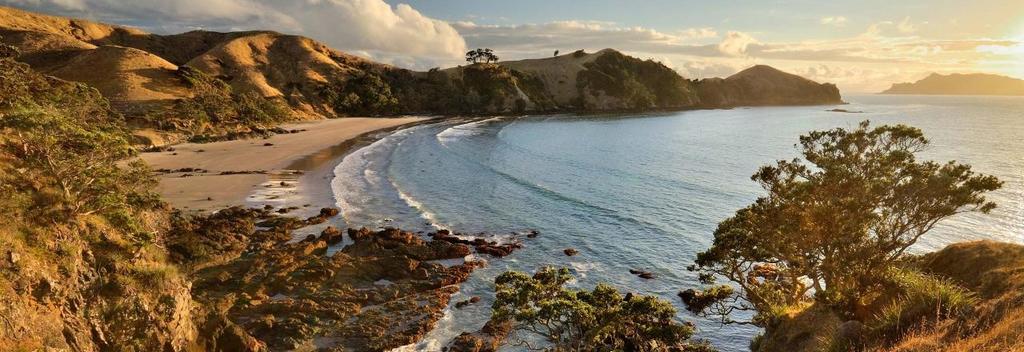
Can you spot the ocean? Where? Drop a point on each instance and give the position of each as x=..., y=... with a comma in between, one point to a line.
x=643, y=191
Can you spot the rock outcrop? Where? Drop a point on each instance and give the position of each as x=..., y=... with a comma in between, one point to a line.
x=961, y=84
x=490, y=337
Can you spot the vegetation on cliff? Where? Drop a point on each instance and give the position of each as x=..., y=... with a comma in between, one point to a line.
x=83, y=268
x=827, y=244
x=634, y=84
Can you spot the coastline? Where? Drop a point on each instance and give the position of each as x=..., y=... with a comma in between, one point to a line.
x=277, y=170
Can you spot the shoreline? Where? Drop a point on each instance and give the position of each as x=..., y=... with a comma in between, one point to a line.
x=277, y=170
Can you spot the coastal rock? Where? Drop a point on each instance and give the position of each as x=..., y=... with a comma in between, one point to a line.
x=491, y=336
x=642, y=274
x=462, y=304
x=331, y=235
x=378, y=293
x=480, y=245
x=570, y=251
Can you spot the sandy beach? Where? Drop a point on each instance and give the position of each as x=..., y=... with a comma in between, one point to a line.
x=262, y=168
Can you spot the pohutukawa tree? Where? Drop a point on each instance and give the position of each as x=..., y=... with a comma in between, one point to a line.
x=481, y=56
x=832, y=223
x=581, y=320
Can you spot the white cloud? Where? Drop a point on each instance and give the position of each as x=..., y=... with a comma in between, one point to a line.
x=736, y=43
x=372, y=26
x=375, y=26
x=838, y=21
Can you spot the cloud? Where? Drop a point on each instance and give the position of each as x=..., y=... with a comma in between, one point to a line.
x=837, y=21
x=736, y=43
x=389, y=32
x=375, y=26
x=905, y=26
x=531, y=40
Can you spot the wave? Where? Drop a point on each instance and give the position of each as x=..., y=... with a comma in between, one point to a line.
x=427, y=215
x=463, y=130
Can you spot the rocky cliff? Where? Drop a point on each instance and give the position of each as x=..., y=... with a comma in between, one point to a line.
x=961, y=84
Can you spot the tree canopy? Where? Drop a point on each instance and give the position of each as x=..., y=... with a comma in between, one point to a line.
x=833, y=222
x=481, y=55
x=581, y=320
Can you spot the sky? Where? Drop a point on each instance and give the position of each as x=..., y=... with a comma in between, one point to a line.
x=863, y=46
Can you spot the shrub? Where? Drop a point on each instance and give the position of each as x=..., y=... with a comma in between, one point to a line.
x=581, y=320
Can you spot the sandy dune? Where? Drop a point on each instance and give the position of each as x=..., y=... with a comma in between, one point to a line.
x=210, y=190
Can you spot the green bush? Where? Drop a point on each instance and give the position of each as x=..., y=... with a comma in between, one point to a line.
x=581, y=320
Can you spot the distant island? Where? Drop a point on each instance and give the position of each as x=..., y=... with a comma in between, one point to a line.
x=961, y=84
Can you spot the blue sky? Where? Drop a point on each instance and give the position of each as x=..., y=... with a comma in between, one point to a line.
x=863, y=46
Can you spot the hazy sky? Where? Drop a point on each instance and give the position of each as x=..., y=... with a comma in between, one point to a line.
x=862, y=45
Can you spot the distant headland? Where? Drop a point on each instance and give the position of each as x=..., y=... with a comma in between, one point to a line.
x=961, y=84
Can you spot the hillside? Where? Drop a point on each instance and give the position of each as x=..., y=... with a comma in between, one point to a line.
x=762, y=86
x=961, y=84
x=150, y=78
x=992, y=274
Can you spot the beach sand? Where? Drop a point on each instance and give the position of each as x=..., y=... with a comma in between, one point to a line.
x=321, y=142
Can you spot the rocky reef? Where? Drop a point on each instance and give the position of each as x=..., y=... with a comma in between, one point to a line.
x=261, y=290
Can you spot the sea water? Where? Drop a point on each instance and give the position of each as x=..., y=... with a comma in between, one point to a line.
x=643, y=191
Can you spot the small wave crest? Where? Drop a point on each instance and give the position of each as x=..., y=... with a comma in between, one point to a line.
x=420, y=208
x=463, y=130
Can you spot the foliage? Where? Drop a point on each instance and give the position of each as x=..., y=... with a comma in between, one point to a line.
x=640, y=84
x=64, y=155
x=836, y=221
x=580, y=320
x=215, y=108
x=481, y=56
x=921, y=299
x=81, y=251
x=366, y=94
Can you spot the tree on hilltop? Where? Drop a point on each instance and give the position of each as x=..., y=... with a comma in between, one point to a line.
x=481, y=56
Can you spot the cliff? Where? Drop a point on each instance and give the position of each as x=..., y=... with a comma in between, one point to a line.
x=961, y=84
